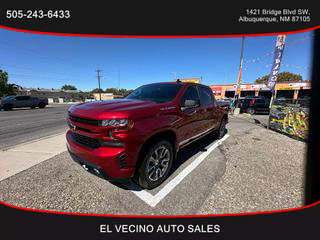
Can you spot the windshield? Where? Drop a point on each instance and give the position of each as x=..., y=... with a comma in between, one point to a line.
x=7, y=98
x=159, y=92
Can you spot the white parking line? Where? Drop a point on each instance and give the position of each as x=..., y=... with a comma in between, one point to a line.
x=153, y=200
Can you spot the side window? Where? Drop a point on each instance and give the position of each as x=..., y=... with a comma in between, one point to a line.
x=190, y=94
x=19, y=98
x=260, y=101
x=206, y=96
x=26, y=98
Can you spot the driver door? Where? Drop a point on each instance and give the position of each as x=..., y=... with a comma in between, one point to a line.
x=191, y=122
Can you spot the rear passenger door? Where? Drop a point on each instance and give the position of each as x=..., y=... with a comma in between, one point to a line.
x=208, y=108
x=27, y=101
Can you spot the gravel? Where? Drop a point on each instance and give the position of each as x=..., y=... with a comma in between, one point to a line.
x=264, y=172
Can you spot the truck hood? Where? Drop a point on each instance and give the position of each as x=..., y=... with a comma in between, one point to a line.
x=120, y=108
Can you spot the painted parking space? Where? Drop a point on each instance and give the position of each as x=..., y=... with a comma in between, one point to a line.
x=63, y=185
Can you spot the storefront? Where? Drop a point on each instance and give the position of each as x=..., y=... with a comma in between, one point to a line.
x=287, y=90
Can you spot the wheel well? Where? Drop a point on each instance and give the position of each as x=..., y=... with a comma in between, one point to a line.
x=168, y=135
x=225, y=116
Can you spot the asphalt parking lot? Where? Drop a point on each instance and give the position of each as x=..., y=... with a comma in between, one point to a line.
x=251, y=170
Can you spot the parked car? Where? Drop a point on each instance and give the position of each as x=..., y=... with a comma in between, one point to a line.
x=255, y=104
x=139, y=137
x=90, y=100
x=9, y=102
x=224, y=104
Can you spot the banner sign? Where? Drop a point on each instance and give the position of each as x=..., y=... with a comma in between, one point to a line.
x=281, y=40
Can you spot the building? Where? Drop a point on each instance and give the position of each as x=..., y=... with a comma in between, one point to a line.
x=54, y=95
x=288, y=90
x=106, y=96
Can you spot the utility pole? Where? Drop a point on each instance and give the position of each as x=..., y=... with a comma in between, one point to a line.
x=239, y=79
x=98, y=76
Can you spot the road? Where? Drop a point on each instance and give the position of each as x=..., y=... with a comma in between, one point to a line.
x=22, y=125
x=252, y=169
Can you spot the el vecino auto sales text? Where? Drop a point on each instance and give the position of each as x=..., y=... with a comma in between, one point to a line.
x=161, y=228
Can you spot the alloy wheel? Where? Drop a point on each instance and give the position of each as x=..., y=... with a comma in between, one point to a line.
x=158, y=163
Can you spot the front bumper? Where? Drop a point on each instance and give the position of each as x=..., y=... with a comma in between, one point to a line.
x=109, y=161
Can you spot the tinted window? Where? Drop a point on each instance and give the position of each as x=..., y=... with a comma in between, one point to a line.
x=190, y=94
x=159, y=92
x=206, y=96
x=19, y=98
x=8, y=98
x=26, y=98
x=260, y=101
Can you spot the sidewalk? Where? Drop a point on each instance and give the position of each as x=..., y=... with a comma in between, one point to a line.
x=24, y=156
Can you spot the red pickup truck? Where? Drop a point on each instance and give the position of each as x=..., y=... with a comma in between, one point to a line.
x=139, y=136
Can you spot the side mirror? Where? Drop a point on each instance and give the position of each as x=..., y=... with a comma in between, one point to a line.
x=190, y=104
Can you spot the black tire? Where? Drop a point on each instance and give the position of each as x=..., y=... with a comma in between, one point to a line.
x=33, y=107
x=221, y=131
x=250, y=111
x=161, y=166
x=7, y=107
x=41, y=105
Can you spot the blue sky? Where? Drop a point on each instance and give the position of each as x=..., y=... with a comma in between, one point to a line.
x=36, y=60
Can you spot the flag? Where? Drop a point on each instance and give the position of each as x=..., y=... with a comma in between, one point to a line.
x=281, y=40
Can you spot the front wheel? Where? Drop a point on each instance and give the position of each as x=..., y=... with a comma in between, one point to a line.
x=41, y=105
x=7, y=107
x=156, y=165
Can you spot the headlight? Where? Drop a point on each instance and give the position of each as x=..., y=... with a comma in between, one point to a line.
x=115, y=123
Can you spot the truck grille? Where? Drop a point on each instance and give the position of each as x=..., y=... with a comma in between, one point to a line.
x=86, y=141
x=84, y=120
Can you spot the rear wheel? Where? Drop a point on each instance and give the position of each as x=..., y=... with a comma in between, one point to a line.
x=156, y=165
x=222, y=128
x=41, y=105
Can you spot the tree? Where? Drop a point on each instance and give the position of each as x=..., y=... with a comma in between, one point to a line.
x=121, y=91
x=5, y=87
x=282, y=77
x=68, y=87
x=97, y=90
x=3, y=82
x=112, y=90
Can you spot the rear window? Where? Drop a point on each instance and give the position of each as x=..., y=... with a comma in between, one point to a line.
x=159, y=92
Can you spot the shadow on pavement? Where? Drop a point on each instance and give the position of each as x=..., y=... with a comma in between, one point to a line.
x=183, y=155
